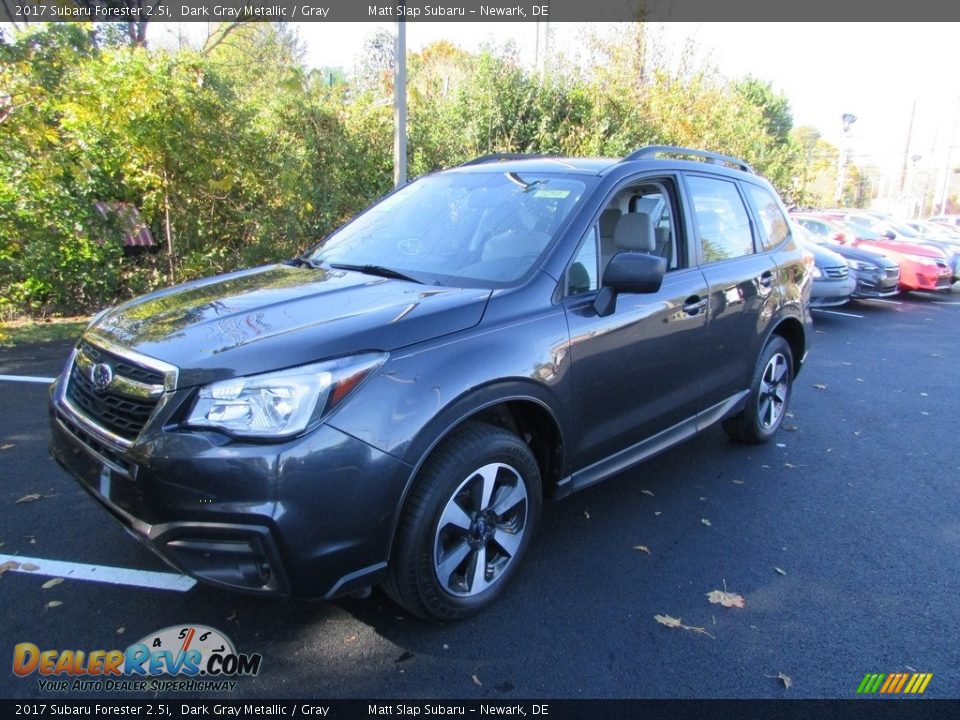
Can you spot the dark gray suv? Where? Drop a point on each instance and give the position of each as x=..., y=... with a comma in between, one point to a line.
x=394, y=405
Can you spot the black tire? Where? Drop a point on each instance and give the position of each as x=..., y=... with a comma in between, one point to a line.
x=477, y=498
x=769, y=395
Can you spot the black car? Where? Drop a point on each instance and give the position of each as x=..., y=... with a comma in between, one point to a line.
x=394, y=405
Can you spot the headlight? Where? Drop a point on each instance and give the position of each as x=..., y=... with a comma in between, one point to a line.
x=861, y=265
x=280, y=404
x=817, y=273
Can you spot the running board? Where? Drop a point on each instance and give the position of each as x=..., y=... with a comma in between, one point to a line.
x=645, y=449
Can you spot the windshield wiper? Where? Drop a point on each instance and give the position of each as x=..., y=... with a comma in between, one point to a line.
x=378, y=270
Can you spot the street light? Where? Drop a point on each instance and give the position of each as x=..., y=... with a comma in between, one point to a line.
x=848, y=119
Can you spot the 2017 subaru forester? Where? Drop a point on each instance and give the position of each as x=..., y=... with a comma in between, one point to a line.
x=394, y=405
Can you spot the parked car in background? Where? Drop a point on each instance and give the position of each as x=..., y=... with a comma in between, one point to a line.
x=950, y=233
x=922, y=267
x=833, y=284
x=951, y=220
x=876, y=274
x=896, y=230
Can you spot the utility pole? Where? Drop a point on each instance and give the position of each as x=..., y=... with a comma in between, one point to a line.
x=400, y=102
x=945, y=187
x=906, y=150
x=848, y=119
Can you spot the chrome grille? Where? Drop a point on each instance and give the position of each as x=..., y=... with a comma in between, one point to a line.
x=836, y=273
x=125, y=405
x=893, y=272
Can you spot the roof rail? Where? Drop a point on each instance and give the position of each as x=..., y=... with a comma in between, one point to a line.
x=498, y=157
x=711, y=157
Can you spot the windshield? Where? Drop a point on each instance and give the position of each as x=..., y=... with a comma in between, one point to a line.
x=457, y=229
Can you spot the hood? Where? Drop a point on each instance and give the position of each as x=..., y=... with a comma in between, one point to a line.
x=823, y=257
x=279, y=316
x=899, y=247
x=863, y=255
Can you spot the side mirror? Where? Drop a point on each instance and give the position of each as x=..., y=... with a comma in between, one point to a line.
x=889, y=234
x=629, y=272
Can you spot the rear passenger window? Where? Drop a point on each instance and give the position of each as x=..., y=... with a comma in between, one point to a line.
x=773, y=224
x=721, y=217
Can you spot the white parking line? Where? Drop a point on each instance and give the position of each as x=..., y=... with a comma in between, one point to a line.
x=880, y=300
x=835, y=312
x=101, y=573
x=27, y=378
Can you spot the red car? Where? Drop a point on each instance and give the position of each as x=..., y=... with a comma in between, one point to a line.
x=921, y=267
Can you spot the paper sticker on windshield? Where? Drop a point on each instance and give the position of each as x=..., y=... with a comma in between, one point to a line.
x=555, y=194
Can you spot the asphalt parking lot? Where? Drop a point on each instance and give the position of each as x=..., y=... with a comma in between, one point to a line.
x=842, y=536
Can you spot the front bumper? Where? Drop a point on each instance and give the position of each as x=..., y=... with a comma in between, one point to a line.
x=830, y=293
x=876, y=284
x=311, y=516
x=925, y=278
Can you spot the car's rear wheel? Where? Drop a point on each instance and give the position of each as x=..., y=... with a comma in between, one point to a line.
x=466, y=525
x=769, y=394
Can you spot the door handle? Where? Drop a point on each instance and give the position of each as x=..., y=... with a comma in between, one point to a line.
x=766, y=279
x=694, y=305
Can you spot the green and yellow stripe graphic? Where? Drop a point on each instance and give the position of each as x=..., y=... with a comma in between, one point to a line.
x=894, y=683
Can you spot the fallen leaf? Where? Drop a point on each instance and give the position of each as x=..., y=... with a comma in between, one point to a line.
x=727, y=599
x=860, y=380
x=781, y=445
x=856, y=432
x=924, y=412
x=232, y=615
x=121, y=630
x=446, y=647
x=706, y=522
x=33, y=497
x=647, y=492
x=820, y=386
x=787, y=682
x=820, y=332
x=53, y=582
x=789, y=466
x=657, y=512
x=54, y=603
x=9, y=565
x=29, y=567
x=738, y=482
x=351, y=639
x=848, y=364
x=789, y=414
x=780, y=571
x=670, y=622
x=586, y=514
x=7, y=446
x=643, y=549
x=790, y=428
x=921, y=395
x=476, y=680
x=677, y=624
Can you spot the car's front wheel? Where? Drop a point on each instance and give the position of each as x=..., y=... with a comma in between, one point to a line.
x=466, y=524
x=769, y=394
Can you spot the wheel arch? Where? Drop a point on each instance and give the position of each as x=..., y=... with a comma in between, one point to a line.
x=522, y=407
x=792, y=330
